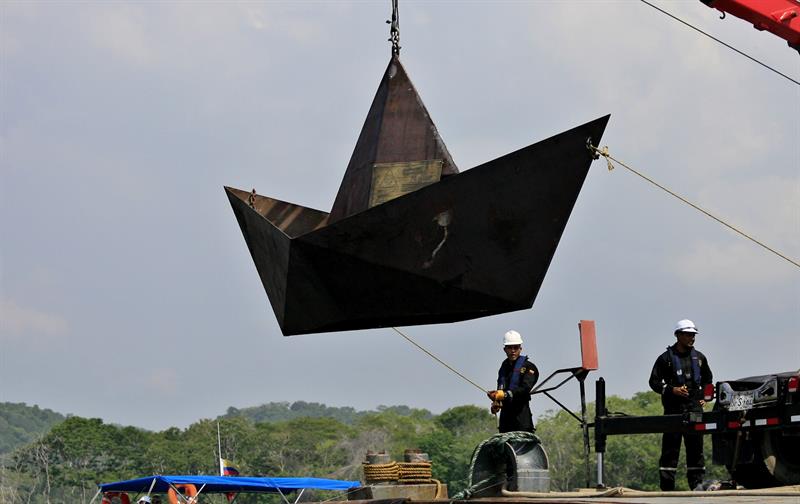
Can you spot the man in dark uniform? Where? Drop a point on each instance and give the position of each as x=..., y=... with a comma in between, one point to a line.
x=516, y=378
x=679, y=376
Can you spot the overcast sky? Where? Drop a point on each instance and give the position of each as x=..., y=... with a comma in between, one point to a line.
x=128, y=292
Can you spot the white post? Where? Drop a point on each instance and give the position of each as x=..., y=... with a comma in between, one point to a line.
x=95, y=496
x=150, y=490
x=196, y=498
x=219, y=447
x=282, y=495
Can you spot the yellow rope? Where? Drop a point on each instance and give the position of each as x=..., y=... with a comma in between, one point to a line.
x=380, y=472
x=414, y=472
x=440, y=361
x=604, y=152
x=401, y=472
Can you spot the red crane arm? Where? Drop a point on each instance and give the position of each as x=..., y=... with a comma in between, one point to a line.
x=780, y=17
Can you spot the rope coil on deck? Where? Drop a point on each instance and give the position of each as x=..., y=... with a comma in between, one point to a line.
x=401, y=472
x=414, y=472
x=380, y=473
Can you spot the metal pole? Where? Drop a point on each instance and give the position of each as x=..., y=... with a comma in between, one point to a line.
x=599, y=428
x=600, y=470
x=585, y=427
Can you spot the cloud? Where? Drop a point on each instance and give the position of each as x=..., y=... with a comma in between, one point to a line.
x=162, y=381
x=764, y=207
x=254, y=16
x=121, y=29
x=12, y=43
x=304, y=31
x=19, y=322
x=734, y=265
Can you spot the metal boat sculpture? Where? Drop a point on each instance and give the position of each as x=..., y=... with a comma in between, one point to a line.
x=409, y=239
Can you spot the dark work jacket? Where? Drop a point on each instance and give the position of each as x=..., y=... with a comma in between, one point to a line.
x=663, y=377
x=516, y=412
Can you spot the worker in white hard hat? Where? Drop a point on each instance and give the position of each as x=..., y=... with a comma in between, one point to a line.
x=516, y=378
x=679, y=375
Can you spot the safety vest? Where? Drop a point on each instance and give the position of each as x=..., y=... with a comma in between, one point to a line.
x=515, y=374
x=680, y=376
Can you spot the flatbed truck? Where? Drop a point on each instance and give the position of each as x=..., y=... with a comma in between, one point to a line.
x=754, y=424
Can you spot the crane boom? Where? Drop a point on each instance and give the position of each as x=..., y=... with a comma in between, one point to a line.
x=779, y=17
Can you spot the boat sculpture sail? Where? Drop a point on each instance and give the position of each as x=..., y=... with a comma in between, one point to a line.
x=409, y=239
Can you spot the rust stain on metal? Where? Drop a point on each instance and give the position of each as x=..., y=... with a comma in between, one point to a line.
x=398, y=129
x=443, y=220
x=392, y=180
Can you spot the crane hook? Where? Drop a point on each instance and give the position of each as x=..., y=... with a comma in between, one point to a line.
x=394, y=30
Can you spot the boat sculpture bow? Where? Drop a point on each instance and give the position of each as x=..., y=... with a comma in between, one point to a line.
x=409, y=239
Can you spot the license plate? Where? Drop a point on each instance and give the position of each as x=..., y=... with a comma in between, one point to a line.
x=741, y=401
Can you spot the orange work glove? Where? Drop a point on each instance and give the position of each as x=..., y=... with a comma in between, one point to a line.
x=496, y=395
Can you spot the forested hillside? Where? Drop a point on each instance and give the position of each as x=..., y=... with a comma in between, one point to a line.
x=20, y=424
x=282, y=411
x=66, y=464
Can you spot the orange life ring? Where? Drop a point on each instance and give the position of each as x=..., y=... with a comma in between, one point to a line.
x=108, y=498
x=189, y=491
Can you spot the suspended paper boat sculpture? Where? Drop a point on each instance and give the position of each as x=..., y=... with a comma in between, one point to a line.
x=409, y=239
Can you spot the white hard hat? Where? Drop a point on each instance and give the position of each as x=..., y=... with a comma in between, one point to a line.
x=144, y=498
x=685, y=325
x=512, y=337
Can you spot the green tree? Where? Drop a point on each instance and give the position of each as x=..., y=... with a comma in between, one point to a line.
x=66, y=463
x=21, y=424
x=451, y=444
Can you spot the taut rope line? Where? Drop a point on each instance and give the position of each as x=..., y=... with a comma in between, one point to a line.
x=604, y=152
x=440, y=361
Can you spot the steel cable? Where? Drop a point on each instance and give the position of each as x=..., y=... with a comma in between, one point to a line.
x=721, y=42
x=604, y=152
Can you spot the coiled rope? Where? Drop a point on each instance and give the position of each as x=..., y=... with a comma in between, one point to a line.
x=414, y=472
x=604, y=152
x=380, y=473
x=494, y=449
x=404, y=473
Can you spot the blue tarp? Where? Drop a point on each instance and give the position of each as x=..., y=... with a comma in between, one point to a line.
x=224, y=484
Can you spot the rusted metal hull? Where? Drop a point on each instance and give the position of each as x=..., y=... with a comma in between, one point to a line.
x=475, y=243
x=398, y=130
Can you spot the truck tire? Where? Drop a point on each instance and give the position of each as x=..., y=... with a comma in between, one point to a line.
x=776, y=461
x=781, y=454
x=753, y=476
